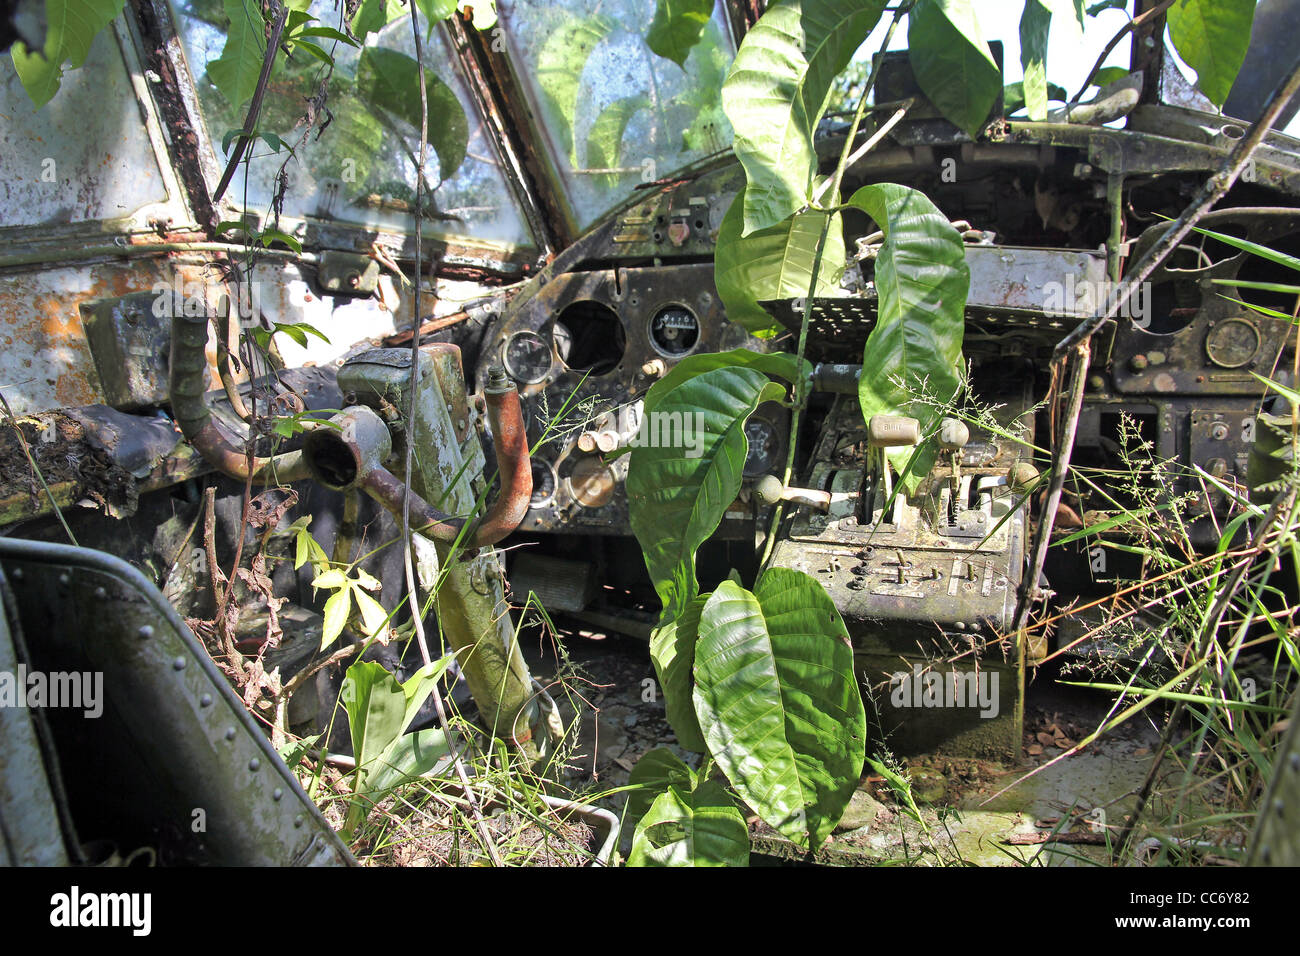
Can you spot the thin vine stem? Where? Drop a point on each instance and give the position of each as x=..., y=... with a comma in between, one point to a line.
x=802, y=382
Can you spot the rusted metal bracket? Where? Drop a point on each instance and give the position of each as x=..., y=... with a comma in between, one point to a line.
x=491, y=83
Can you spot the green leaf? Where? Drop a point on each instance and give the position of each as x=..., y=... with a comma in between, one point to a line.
x=373, y=615
x=952, y=63
x=328, y=33
x=677, y=495
x=605, y=139
x=391, y=81
x=1212, y=37
x=376, y=705
x=275, y=235
x=379, y=711
x=922, y=280
x=672, y=649
x=235, y=72
x=677, y=26
x=777, y=699
x=409, y=756
x=1035, y=24
x=773, y=263
x=559, y=72
x=1013, y=96
x=336, y=613
x=70, y=28
x=699, y=827
x=653, y=774
x=293, y=752
x=776, y=93
x=314, y=50
x=1254, y=248
x=781, y=365
x=901, y=786
x=437, y=10
x=373, y=15
x=1108, y=75
x=299, y=331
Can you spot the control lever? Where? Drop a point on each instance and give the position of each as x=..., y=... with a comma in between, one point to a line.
x=953, y=436
x=890, y=431
x=770, y=490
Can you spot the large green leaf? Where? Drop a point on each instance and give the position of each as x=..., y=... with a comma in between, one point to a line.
x=951, y=61
x=70, y=28
x=654, y=773
x=379, y=710
x=776, y=93
x=781, y=365
x=776, y=697
x=677, y=495
x=373, y=15
x=1212, y=37
x=672, y=648
x=922, y=280
x=677, y=26
x=376, y=706
x=390, y=80
x=560, y=63
x=684, y=827
x=408, y=757
x=605, y=138
x=1035, y=24
x=773, y=263
x=235, y=72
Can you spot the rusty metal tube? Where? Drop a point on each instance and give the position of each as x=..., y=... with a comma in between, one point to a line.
x=510, y=438
x=351, y=455
x=188, y=374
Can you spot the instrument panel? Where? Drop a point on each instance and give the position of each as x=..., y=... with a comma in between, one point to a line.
x=584, y=350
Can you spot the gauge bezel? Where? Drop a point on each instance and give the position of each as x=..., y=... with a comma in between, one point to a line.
x=650, y=328
x=555, y=485
x=505, y=357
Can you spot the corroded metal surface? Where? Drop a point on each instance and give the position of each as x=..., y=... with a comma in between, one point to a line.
x=95, y=612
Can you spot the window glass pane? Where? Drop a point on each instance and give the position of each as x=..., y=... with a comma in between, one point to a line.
x=82, y=157
x=361, y=169
x=613, y=113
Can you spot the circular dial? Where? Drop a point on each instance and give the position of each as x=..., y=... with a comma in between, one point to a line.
x=674, y=330
x=544, y=482
x=592, y=482
x=764, y=447
x=528, y=357
x=1232, y=343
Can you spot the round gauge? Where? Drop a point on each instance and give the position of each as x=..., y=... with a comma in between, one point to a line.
x=764, y=447
x=544, y=482
x=527, y=357
x=1232, y=343
x=674, y=330
x=592, y=482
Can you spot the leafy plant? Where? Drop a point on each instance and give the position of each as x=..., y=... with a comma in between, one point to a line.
x=380, y=709
x=349, y=588
x=1212, y=36
x=677, y=27
x=70, y=28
